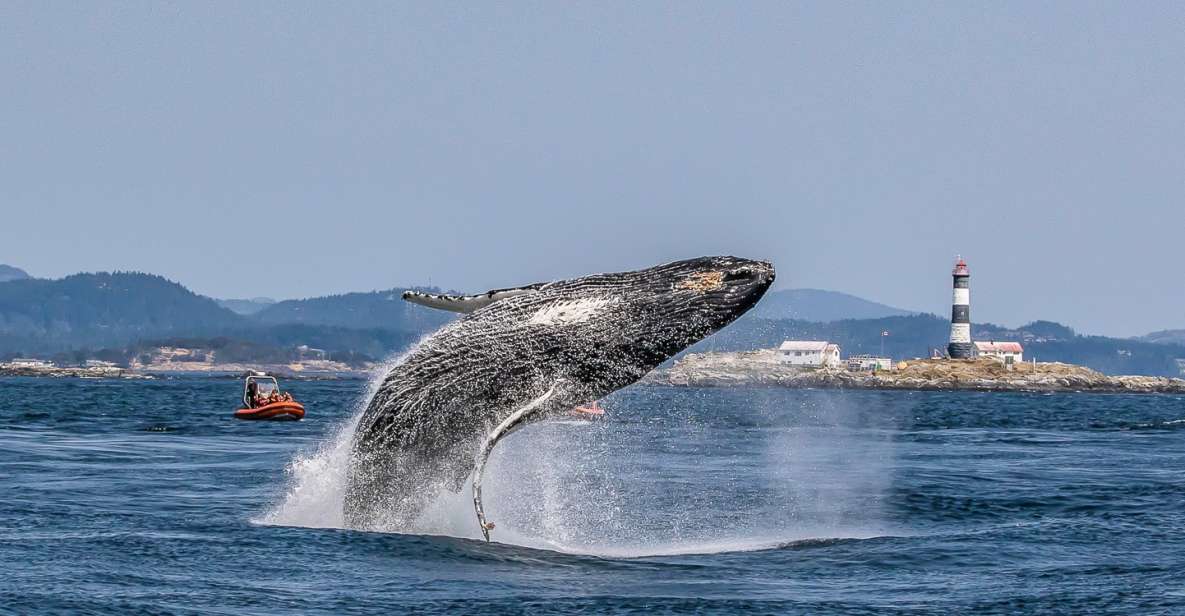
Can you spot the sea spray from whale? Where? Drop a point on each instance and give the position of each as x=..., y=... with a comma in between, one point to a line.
x=577, y=339
x=659, y=477
x=317, y=479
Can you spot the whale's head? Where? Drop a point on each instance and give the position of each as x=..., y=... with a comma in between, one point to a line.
x=608, y=329
x=678, y=304
x=714, y=291
x=637, y=320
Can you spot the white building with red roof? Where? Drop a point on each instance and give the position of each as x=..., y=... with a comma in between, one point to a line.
x=1003, y=350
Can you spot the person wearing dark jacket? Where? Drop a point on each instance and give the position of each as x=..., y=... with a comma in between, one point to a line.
x=252, y=391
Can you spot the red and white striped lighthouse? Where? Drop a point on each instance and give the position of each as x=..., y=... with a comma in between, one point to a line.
x=960, y=346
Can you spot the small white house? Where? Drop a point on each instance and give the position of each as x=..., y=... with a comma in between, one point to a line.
x=810, y=353
x=1002, y=350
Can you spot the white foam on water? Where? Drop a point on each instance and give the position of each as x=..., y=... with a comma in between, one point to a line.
x=317, y=479
x=565, y=487
x=317, y=485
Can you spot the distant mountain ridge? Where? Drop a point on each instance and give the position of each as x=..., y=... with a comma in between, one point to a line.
x=100, y=310
x=115, y=315
x=9, y=273
x=1165, y=336
x=821, y=306
x=374, y=309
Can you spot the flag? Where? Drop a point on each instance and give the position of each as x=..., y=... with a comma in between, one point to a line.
x=884, y=333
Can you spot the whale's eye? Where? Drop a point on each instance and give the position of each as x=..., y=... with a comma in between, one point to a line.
x=702, y=281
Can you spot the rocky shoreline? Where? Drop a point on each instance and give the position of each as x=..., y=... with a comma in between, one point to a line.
x=229, y=370
x=762, y=369
x=103, y=372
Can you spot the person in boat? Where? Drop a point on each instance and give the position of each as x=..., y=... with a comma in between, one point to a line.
x=252, y=394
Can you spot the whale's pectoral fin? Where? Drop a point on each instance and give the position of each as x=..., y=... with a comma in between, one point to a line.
x=467, y=303
x=516, y=420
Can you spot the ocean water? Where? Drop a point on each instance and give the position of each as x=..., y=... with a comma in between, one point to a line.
x=122, y=497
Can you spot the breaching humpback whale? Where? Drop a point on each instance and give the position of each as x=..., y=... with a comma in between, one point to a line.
x=520, y=355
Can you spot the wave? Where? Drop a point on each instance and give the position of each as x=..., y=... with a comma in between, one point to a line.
x=1168, y=424
x=797, y=540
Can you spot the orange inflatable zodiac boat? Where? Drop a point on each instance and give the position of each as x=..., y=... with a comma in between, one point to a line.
x=262, y=399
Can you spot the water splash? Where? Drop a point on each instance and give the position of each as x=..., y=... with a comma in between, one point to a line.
x=317, y=479
x=630, y=487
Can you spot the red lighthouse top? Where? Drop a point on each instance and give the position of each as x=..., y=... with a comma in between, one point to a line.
x=961, y=268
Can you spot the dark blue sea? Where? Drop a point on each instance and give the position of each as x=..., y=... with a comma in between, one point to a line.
x=121, y=497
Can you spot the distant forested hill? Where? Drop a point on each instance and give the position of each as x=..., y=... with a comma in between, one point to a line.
x=1165, y=336
x=822, y=306
x=120, y=310
x=8, y=272
x=103, y=309
x=374, y=310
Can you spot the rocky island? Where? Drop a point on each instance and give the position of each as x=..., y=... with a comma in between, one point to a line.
x=84, y=372
x=173, y=361
x=763, y=369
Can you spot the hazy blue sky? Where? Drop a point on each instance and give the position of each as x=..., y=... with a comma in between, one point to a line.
x=293, y=150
